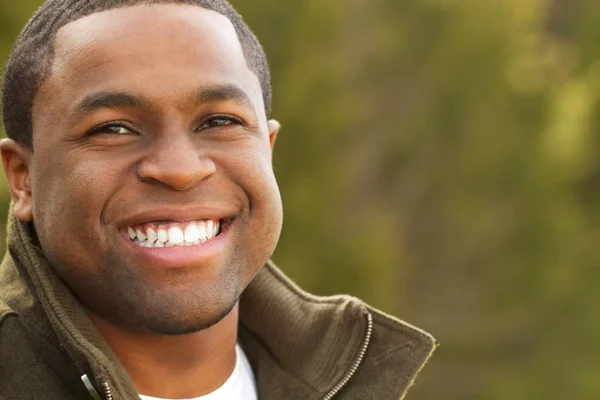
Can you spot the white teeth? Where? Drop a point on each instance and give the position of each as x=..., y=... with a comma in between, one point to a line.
x=202, y=231
x=140, y=235
x=175, y=235
x=191, y=233
x=151, y=233
x=210, y=228
x=194, y=233
x=162, y=234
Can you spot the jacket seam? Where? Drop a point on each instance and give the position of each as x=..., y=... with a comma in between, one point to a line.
x=396, y=324
x=33, y=328
x=11, y=313
x=42, y=333
x=425, y=348
x=5, y=316
x=6, y=311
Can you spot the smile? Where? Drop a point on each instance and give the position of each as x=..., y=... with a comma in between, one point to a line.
x=171, y=233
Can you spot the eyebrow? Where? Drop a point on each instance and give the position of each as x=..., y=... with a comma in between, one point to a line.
x=116, y=100
x=222, y=93
x=113, y=100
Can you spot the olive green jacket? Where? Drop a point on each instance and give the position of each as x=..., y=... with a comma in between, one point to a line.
x=300, y=346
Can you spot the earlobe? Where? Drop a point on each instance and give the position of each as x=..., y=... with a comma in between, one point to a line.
x=274, y=127
x=16, y=159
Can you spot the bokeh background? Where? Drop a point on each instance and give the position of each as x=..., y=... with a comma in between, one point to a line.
x=441, y=160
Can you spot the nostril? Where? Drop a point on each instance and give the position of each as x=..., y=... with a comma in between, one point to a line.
x=179, y=174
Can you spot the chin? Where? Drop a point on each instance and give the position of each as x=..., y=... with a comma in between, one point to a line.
x=175, y=326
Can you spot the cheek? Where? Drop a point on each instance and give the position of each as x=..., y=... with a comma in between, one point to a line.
x=252, y=171
x=69, y=194
x=69, y=199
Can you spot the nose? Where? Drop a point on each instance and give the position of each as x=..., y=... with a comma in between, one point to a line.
x=176, y=161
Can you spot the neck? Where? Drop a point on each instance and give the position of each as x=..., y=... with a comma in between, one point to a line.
x=184, y=366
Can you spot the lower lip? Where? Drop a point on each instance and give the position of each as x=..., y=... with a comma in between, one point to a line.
x=179, y=256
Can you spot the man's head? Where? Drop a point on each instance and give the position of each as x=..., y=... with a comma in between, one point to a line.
x=33, y=54
x=144, y=116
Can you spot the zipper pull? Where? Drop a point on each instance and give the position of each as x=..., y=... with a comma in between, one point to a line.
x=90, y=388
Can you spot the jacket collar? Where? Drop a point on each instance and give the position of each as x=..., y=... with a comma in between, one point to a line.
x=324, y=347
x=300, y=345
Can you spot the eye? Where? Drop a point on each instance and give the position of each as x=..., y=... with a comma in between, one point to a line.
x=112, y=128
x=220, y=121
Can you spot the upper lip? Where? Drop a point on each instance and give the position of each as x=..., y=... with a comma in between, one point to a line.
x=177, y=214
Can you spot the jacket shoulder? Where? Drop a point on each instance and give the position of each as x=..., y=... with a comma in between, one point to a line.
x=30, y=367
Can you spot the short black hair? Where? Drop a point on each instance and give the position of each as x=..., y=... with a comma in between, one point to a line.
x=31, y=59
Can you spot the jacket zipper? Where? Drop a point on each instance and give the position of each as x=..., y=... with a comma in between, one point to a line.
x=357, y=362
x=107, y=393
x=106, y=390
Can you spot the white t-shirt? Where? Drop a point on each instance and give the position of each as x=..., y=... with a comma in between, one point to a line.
x=240, y=385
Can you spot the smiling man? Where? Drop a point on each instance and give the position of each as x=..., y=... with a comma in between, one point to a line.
x=144, y=214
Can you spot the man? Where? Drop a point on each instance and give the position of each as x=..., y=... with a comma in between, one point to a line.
x=144, y=213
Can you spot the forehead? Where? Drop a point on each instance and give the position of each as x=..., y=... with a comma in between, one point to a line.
x=166, y=47
x=171, y=22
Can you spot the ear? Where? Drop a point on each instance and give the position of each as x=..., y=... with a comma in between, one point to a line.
x=16, y=159
x=274, y=127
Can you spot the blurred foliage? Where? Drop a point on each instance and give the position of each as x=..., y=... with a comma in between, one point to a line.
x=441, y=160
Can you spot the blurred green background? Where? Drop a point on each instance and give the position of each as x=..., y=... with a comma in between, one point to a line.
x=441, y=160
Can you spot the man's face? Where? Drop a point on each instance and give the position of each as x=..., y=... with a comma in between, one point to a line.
x=151, y=120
